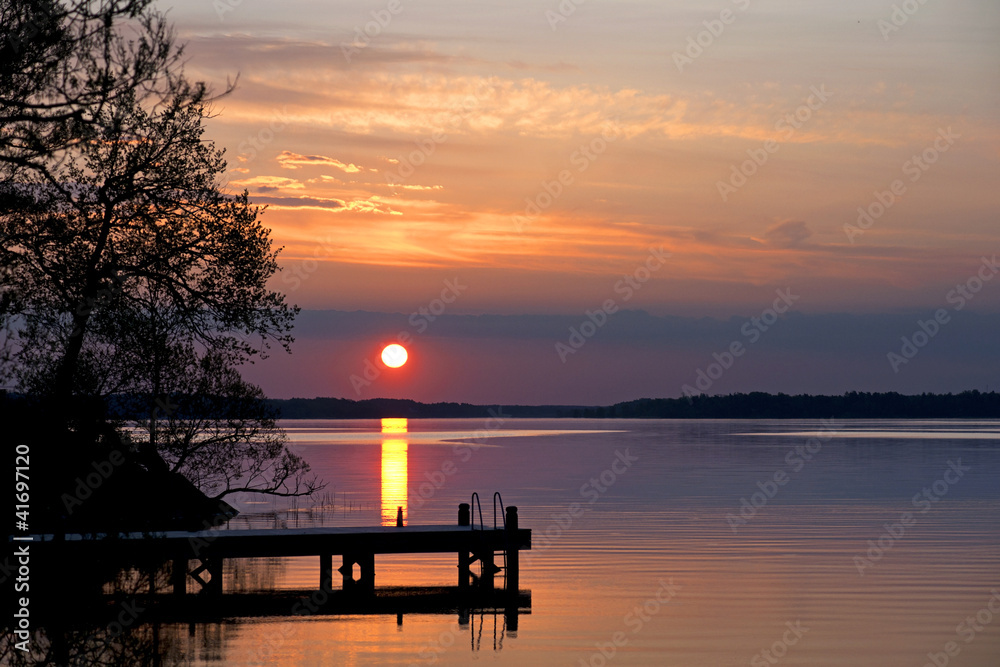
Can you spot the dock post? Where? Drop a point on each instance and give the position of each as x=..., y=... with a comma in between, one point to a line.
x=326, y=572
x=464, y=515
x=178, y=575
x=366, y=578
x=513, y=553
x=215, y=572
x=347, y=570
x=463, y=568
x=489, y=567
x=510, y=617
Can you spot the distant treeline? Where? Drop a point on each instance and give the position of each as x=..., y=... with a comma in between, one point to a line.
x=755, y=405
x=852, y=405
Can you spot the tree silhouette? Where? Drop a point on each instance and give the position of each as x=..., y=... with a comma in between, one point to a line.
x=128, y=271
x=63, y=62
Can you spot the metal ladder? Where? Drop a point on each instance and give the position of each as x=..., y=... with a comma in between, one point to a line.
x=475, y=504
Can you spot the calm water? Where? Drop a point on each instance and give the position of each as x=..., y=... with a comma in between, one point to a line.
x=659, y=566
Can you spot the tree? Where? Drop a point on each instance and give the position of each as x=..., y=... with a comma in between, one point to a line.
x=217, y=430
x=128, y=270
x=62, y=62
x=138, y=221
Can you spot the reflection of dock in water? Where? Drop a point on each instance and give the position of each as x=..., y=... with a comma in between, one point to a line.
x=141, y=628
x=162, y=563
x=401, y=600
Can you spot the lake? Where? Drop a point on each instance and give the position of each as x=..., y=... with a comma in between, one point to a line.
x=655, y=542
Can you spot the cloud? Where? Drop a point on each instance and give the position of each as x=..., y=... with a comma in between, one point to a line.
x=293, y=202
x=290, y=160
x=789, y=234
x=418, y=91
x=268, y=183
x=370, y=205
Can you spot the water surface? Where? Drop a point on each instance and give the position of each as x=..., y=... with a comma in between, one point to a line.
x=694, y=543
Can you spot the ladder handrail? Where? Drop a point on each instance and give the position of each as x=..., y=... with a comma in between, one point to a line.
x=474, y=502
x=497, y=496
x=506, y=536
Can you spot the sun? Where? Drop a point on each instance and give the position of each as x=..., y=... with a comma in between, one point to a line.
x=394, y=355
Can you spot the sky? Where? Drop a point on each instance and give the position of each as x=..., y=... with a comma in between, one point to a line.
x=720, y=196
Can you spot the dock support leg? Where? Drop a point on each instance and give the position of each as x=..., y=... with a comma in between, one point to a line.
x=366, y=577
x=215, y=571
x=510, y=617
x=463, y=568
x=513, y=553
x=464, y=516
x=489, y=568
x=326, y=572
x=347, y=570
x=366, y=572
x=178, y=575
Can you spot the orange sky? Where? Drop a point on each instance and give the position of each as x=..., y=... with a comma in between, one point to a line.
x=539, y=160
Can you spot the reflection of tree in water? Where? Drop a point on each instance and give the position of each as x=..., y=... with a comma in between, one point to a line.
x=78, y=630
x=100, y=612
x=82, y=627
x=253, y=575
x=82, y=647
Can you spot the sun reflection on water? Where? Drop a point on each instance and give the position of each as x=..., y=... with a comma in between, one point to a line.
x=394, y=469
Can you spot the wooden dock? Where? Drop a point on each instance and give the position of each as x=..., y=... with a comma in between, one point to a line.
x=355, y=547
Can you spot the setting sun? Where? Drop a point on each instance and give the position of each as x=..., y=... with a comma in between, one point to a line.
x=394, y=355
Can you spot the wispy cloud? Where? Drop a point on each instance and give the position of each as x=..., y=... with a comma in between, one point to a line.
x=268, y=183
x=290, y=160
